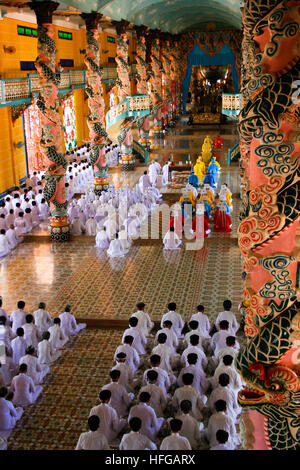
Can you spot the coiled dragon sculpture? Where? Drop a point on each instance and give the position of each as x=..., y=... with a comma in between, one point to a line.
x=268, y=233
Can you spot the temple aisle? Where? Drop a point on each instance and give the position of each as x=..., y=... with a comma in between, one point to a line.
x=100, y=288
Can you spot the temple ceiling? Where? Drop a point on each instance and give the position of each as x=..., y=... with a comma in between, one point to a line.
x=173, y=16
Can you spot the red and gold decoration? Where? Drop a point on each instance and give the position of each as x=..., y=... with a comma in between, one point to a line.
x=269, y=230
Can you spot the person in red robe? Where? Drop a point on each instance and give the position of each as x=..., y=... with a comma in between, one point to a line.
x=218, y=142
x=222, y=221
x=206, y=225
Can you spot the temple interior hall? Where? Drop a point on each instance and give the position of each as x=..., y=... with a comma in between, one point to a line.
x=149, y=208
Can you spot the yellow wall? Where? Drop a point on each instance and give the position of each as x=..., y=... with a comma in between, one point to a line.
x=12, y=159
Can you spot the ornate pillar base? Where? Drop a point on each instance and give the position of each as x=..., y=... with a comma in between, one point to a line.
x=100, y=185
x=59, y=229
x=127, y=163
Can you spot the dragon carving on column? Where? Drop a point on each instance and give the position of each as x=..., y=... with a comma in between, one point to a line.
x=269, y=229
x=156, y=91
x=48, y=104
x=125, y=137
x=166, y=61
x=94, y=91
x=142, y=80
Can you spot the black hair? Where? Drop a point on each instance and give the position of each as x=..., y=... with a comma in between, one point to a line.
x=227, y=304
x=94, y=422
x=227, y=360
x=175, y=425
x=172, y=306
x=220, y=405
x=222, y=436
x=188, y=379
x=135, y=424
x=224, y=324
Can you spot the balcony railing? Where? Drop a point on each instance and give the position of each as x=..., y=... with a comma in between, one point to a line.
x=131, y=106
x=20, y=90
x=231, y=104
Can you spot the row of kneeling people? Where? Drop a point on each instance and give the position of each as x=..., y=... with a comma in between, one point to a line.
x=30, y=344
x=162, y=400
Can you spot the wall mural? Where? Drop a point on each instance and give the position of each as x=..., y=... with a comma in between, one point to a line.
x=33, y=133
x=69, y=123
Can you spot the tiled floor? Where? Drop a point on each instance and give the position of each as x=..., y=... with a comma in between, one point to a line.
x=99, y=287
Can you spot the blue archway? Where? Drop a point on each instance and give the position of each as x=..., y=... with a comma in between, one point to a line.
x=198, y=57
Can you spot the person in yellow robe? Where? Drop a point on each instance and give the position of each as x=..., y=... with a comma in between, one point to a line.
x=200, y=169
x=207, y=150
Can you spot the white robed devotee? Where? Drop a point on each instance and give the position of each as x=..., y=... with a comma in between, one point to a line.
x=171, y=240
x=116, y=248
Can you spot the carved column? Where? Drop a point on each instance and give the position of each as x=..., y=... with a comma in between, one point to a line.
x=166, y=63
x=156, y=89
x=48, y=104
x=125, y=137
x=142, y=79
x=269, y=230
x=94, y=91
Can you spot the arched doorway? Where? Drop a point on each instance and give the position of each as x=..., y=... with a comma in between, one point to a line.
x=198, y=57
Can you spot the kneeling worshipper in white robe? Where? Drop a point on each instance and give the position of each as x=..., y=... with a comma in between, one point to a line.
x=144, y=182
x=110, y=424
x=171, y=240
x=116, y=249
x=91, y=227
x=224, y=392
x=134, y=440
x=139, y=339
x=172, y=339
x=68, y=323
x=20, y=224
x=166, y=172
x=23, y=388
x=8, y=370
x=200, y=381
x=18, y=346
x=12, y=237
x=158, y=398
x=187, y=392
x=46, y=353
x=153, y=172
x=124, y=239
x=4, y=244
x=150, y=423
x=190, y=426
x=120, y=399
x=93, y=439
x=42, y=318
x=57, y=337
x=77, y=227
x=164, y=380
x=227, y=367
x=132, y=226
x=132, y=357
x=32, y=333
x=224, y=443
x=145, y=323
x=175, y=441
x=169, y=360
x=126, y=375
x=220, y=420
x=9, y=415
x=102, y=239
x=35, y=369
